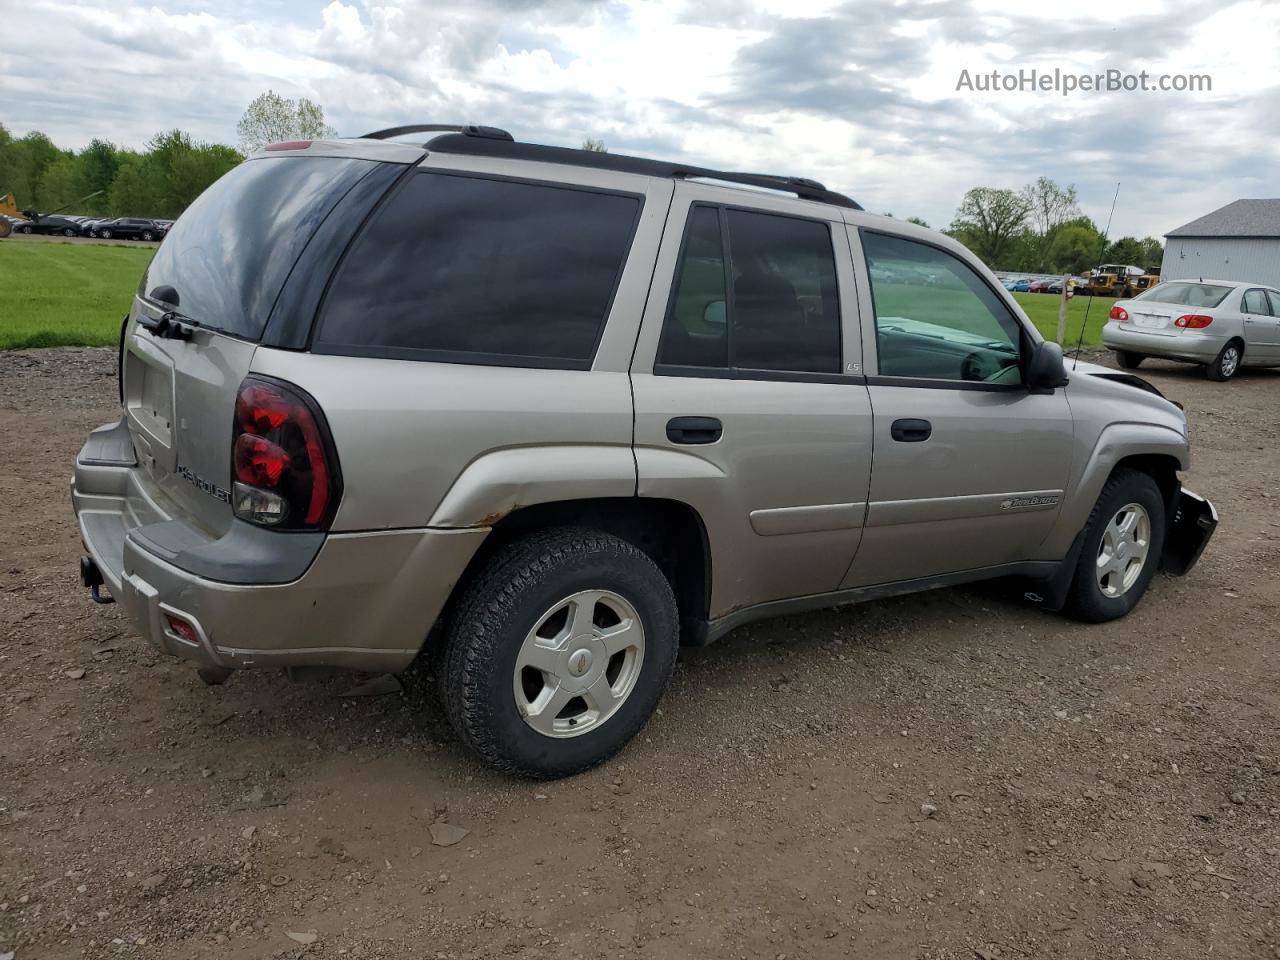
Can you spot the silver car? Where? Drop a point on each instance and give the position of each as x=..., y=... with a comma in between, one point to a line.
x=1222, y=324
x=540, y=415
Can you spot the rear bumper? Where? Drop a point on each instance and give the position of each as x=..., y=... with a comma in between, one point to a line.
x=1190, y=528
x=364, y=601
x=1187, y=345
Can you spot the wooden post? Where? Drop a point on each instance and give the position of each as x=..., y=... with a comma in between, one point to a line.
x=1062, y=310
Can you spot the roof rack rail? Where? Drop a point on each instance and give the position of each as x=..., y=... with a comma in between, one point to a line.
x=506, y=146
x=802, y=187
x=468, y=130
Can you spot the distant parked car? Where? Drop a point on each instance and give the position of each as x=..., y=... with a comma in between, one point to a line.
x=1221, y=324
x=129, y=228
x=1040, y=286
x=49, y=226
x=1021, y=286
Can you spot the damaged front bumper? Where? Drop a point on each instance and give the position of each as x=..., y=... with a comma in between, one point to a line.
x=1190, y=529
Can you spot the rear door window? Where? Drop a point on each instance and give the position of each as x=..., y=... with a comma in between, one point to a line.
x=1255, y=302
x=472, y=269
x=754, y=292
x=229, y=254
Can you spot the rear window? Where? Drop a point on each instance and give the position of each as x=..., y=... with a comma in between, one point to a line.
x=1186, y=294
x=229, y=254
x=478, y=270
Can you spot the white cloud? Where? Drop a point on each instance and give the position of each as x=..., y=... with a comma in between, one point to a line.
x=860, y=95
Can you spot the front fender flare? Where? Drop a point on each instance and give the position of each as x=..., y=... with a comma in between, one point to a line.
x=1116, y=442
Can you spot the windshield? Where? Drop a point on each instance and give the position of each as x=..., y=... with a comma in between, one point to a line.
x=229, y=254
x=1186, y=294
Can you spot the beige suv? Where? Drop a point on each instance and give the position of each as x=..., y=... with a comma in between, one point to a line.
x=573, y=409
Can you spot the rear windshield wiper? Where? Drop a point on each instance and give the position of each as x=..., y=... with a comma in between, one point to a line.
x=171, y=324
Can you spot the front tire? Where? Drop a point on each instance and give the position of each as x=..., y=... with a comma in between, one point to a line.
x=1123, y=541
x=558, y=652
x=1226, y=363
x=105, y=234
x=1129, y=360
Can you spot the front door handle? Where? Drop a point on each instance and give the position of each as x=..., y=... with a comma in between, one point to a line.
x=911, y=430
x=694, y=430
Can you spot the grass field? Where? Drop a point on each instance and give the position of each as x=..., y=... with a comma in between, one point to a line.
x=1042, y=308
x=65, y=294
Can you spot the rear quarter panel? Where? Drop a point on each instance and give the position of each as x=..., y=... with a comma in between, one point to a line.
x=455, y=445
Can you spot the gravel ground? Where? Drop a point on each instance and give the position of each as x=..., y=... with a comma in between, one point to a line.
x=951, y=775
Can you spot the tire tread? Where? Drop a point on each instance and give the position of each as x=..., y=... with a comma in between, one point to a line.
x=474, y=637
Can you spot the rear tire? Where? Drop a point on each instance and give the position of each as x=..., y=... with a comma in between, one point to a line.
x=1129, y=360
x=512, y=603
x=1109, y=581
x=1226, y=363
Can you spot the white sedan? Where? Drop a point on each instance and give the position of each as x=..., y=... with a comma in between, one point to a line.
x=1221, y=324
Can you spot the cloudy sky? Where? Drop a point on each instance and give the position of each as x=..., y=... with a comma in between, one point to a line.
x=860, y=95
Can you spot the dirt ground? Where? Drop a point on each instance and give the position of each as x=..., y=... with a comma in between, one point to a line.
x=1100, y=791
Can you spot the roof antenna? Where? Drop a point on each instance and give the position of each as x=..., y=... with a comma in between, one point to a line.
x=1102, y=256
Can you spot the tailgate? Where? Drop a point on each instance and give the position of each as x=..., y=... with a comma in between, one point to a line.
x=179, y=398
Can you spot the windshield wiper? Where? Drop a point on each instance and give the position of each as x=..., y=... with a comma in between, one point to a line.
x=171, y=325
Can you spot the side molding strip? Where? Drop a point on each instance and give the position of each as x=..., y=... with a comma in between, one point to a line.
x=885, y=513
x=810, y=519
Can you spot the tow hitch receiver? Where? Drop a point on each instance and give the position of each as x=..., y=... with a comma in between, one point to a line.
x=91, y=577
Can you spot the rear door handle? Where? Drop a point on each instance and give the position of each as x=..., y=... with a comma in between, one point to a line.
x=694, y=430
x=911, y=430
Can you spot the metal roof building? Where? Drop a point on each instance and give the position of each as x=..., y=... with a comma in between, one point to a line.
x=1240, y=241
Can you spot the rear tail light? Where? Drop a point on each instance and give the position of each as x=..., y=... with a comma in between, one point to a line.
x=1193, y=321
x=1119, y=313
x=284, y=471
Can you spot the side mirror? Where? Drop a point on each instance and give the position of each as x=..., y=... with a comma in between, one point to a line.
x=1046, y=369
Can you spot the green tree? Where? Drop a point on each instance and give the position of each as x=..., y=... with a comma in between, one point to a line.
x=62, y=184
x=271, y=118
x=1075, y=248
x=1126, y=250
x=133, y=189
x=919, y=222
x=1152, y=258
x=594, y=146
x=1049, y=206
x=25, y=161
x=987, y=221
x=100, y=160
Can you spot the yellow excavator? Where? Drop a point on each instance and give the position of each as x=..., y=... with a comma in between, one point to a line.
x=9, y=212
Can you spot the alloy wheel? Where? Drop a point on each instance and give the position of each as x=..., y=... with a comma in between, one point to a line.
x=579, y=663
x=1123, y=551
